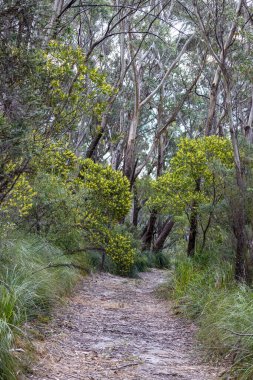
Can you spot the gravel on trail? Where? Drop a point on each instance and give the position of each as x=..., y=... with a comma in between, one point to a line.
x=117, y=328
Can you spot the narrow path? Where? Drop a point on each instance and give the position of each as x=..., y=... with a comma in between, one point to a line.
x=116, y=328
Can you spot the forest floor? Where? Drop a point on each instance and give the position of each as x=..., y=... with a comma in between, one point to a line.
x=117, y=328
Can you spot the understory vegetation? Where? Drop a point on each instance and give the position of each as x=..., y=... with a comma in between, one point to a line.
x=29, y=288
x=205, y=291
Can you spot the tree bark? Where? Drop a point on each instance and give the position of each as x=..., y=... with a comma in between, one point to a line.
x=193, y=225
x=57, y=9
x=129, y=159
x=248, y=127
x=166, y=229
x=241, y=270
x=212, y=103
x=193, y=232
x=94, y=143
x=136, y=208
x=147, y=237
x=239, y=218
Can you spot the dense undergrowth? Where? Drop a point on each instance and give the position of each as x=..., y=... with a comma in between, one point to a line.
x=205, y=291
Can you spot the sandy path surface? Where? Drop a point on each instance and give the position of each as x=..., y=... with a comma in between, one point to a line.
x=116, y=328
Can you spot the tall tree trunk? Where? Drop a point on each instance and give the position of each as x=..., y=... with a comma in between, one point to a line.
x=129, y=161
x=117, y=149
x=193, y=232
x=248, y=127
x=239, y=218
x=241, y=268
x=210, y=129
x=193, y=225
x=57, y=8
x=136, y=207
x=129, y=158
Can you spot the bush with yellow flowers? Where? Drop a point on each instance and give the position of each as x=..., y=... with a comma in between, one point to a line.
x=74, y=202
x=108, y=200
x=19, y=193
x=120, y=249
x=195, y=175
x=109, y=190
x=64, y=70
x=57, y=159
x=56, y=87
x=117, y=244
x=58, y=79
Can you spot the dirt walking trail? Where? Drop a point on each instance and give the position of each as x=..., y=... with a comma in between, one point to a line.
x=116, y=328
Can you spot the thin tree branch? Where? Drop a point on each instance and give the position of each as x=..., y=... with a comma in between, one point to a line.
x=168, y=72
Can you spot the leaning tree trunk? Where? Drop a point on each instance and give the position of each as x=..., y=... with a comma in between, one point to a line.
x=148, y=234
x=165, y=231
x=90, y=153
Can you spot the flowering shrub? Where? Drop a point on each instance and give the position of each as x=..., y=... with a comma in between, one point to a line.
x=75, y=202
x=196, y=160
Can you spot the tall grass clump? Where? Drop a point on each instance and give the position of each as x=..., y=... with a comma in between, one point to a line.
x=226, y=326
x=33, y=276
x=205, y=291
x=195, y=281
x=144, y=260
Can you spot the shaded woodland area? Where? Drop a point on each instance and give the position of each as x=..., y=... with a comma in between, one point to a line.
x=126, y=142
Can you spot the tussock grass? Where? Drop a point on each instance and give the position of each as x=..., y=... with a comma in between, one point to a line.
x=227, y=328
x=27, y=289
x=145, y=260
x=207, y=293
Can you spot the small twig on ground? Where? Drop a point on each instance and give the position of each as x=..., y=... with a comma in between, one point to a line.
x=17, y=350
x=124, y=366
